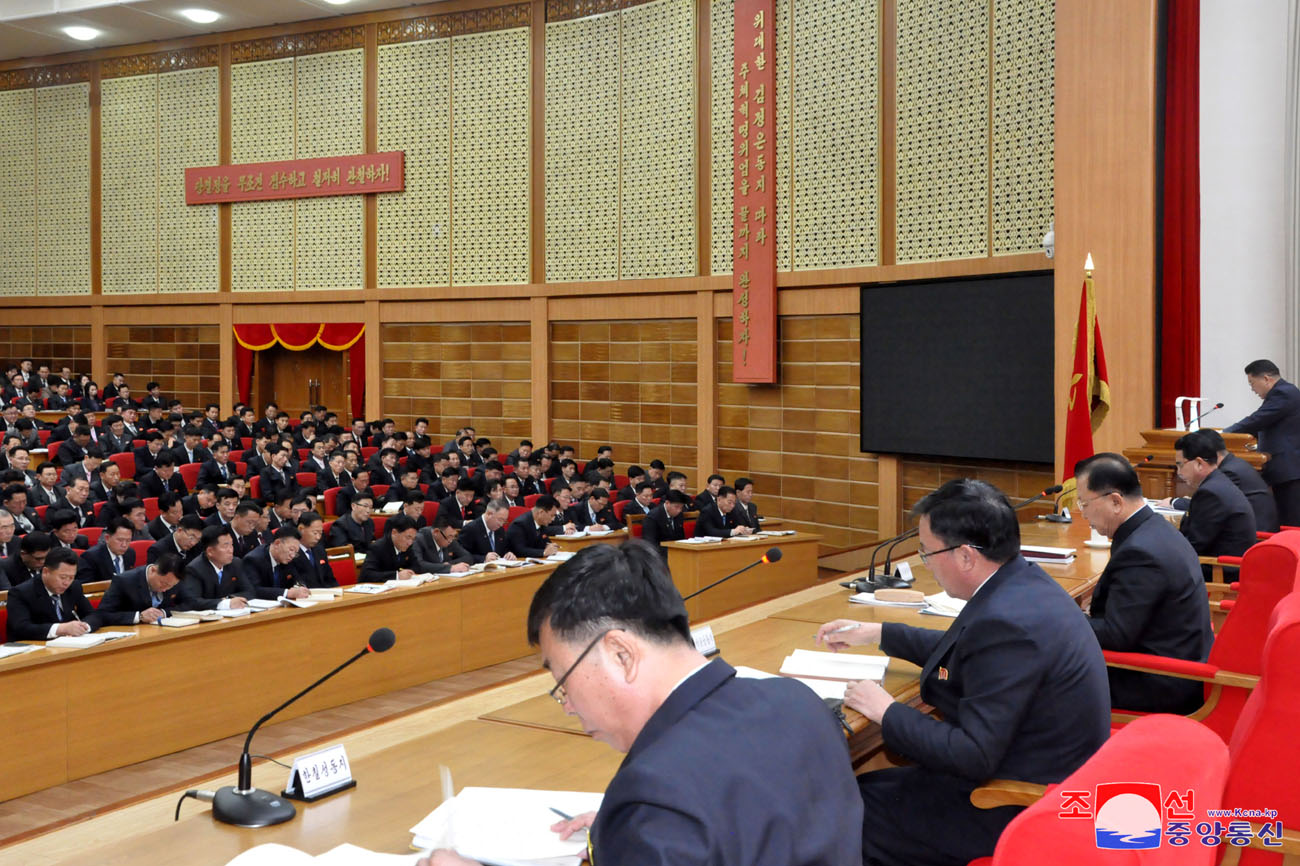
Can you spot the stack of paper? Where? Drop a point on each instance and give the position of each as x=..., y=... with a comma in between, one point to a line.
x=410, y=582
x=263, y=603
x=178, y=621
x=82, y=641
x=835, y=666
x=943, y=604
x=1050, y=555
x=768, y=533
x=870, y=598
x=16, y=649
x=233, y=612
x=507, y=826
x=701, y=539
x=326, y=593
x=368, y=588
x=562, y=556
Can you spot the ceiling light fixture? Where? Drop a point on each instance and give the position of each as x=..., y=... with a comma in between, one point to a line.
x=201, y=16
x=82, y=33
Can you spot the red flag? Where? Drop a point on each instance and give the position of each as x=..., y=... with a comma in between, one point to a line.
x=1089, y=385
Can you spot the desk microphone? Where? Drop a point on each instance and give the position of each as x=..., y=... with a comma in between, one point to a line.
x=773, y=555
x=1216, y=407
x=246, y=806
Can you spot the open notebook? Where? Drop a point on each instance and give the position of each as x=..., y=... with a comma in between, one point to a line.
x=507, y=826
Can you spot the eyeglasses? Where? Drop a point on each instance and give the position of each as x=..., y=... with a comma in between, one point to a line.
x=558, y=694
x=1085, y=502
x=926, y=554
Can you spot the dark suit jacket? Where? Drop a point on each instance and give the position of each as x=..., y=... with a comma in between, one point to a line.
x=713, y=522
x=15, y=572
x=36, y=495
x=201, y=454
x=1276, y=424
x=129, y=594
x=780, y=795
x=97, y=564
x=168, y=545
x=276, y=482
x=703, y=500
x=153, y=485
x=458, y=518
x=261, y=571
x=745, y=515
x=658, y=527
x=432, y=559
x=582, y=517
x=346, y=531
x=110, y=444
x=1151, y=599
x=314, y=571
x=204, y=590
x=210, y=473
x=383, y=561
x=326, y=480
x=1219, y=521
x=144, y=460
x=1257, y=492
x=157, y=529
x=69, y=453
x=525, y=537
x=474, y=538
x=31, y=612
x=380, y=475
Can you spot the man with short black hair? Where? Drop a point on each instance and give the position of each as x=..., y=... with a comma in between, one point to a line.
x=746, y=512
x=312, y=563
x=596, y=513
x=485, y=537
x=635, y=475
x=1150, y=598
x=112, y=556
x=145, y=594
x=14, y=499
x=270, y=568
x=706, y=497
x=215, y=579
x=63, y=529
x=1219, y=521
x=163, y=479
x=147, y=454
x=53, y=605
x=1276, y=424
x=664, y=522
x=391, y=557
x=459, y=507
x=357, y=527
x=276, y=479
x=613, y=631
x=1247, y=480
x=46, y=490
x=716, y=520
x=643, y=502
x=527, y=533
x=190, y=449
x=436, y=550
x=183, y=541
x=219, y=470
x=32, y=551
x=1018, y=679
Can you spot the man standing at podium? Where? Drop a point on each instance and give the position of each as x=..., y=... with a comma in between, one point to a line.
x=1276, y=424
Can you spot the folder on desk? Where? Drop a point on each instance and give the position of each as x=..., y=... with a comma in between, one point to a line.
x=507, y=826
x=178, y=621
x=81, y=641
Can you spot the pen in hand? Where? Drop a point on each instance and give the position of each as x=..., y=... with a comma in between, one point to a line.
x=563, y=815
x=844, y=628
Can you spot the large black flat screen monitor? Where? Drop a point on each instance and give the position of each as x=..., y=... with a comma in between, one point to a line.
x=959, y=368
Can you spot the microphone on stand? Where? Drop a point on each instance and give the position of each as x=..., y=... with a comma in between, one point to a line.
x=1197, y=420
x=246, y=806
x=773, y=555
x=872, y=581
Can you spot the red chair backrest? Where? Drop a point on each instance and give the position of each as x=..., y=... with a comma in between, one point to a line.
x=345, y=570
x=190, y=474
x=137, y=443
x=1265, y=733
x=126, y=462
x=43, y=436
x=380, y=489
x=380, y=520
x=367, y=452
x=689, y=528
x=308, y=480
x=91, y=533
x=98, y=507
x=515, y=511
x=430, y=511
x=303, y=454
x=469, y=472
x=246, y=442
x=1153, y=749
x=622, y=504
x=4, y=622
x=255, y=487
x=621, y=481
x=636, y=530
x=325, y=530
x=508, y=469
x=549, y=481
x=141, y=549
x=241, y=468
x=331, y=497
x=531, y=499
x=151, y=509
x=41, y=509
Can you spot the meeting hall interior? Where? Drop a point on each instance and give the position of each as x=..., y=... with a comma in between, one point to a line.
x=953, y=337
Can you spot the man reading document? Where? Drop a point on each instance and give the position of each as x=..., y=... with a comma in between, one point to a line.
x=719, y=769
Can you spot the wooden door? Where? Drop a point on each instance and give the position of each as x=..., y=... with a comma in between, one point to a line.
x=296, y=380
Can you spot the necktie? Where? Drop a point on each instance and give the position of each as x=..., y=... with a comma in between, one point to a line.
x=278, y=574
x=58, y=608
x=155, y=599
x=492, y=540
x=117, y=565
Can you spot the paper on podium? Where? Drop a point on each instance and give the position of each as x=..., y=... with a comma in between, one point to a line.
x=507, y=826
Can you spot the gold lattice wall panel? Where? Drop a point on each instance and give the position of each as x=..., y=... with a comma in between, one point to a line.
x=836, y=135
x=414, y=116
x=262, y=130
x=1024, y=43
x=784, y=109
x=187, y=125
x=129, y=184
x=63, y=189
x=17, y=193
x=490, y=178
x=330, y=122
x=942, y=136
x=722, y=27
x=582, y=141
x=658, y=162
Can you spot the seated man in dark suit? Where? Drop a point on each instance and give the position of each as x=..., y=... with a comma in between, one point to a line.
x=614, y=633
x=459, y=508
x=63, y=529
x=227, y=502
x=52, y=606
x=710, y=492
x=664, y=522
x=14, y=500
x=145, y=594
x=485, y=537
x=391, y=557
x=642, y=502
x=112, y=556
x=335, y=475
x=190, y=449
x=219, y=470
x=312, y=563
x=170, y=512
x=215, y=579
x=73, y=450
x=33, y=549
x=1018, y=679
x=270, y=567
x=745, y=512
x=1219, y=521
x=277, y=479
x=1150, y=598
x=595, y=512
x=1276, y=424
x=716, y=520
x=356, y=528
x=163, y=479
x=635, y=475
x=45, y=490
x=147, y=453
x=183, y=542
x=9, y=543
x=436, y=550
x=1248, y=481
x=243, y=528
x=527, y=533
x=76, y=498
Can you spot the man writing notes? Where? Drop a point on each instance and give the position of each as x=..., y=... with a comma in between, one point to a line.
x=1276, y=424
x=1219, y=521
x=719, y=770
x=1018, y=680
x=1150, y=598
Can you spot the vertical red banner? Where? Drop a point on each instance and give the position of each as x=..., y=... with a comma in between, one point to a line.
x=753, y=281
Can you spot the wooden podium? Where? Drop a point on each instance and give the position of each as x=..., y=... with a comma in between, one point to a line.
x=1160, y=476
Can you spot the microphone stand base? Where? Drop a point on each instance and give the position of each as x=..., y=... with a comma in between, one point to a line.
x=257, y=808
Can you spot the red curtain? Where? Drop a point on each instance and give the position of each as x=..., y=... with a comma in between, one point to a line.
x=1180, y=292
x=347, y=337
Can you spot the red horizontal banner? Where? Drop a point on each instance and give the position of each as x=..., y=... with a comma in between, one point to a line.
x=297, y=178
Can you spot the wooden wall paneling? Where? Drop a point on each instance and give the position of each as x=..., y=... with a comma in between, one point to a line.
x=920, y=475
x=374, y=361
x=623, y=307
x=1105, y=155
x=98, y=346
x=182, y=357
x=229, y=392
x=96, y=193
x=65, y=343
x=540, y=359
x=889, y=493
x=706, y=396
x=255, y=313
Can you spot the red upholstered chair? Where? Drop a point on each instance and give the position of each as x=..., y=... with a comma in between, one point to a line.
x=515, y=511
x=141, y=549
x=635, y=529
x=255, y=487
x=469, y=472
x=4, y=622
x=43, y=436
x=246, y=442
x=189, y=473
x=40, y=511
x=430, y=511
x=380, y=522
x=91, y=534
x=325, y=528
x=548, y=482
x=306, y=480
x=620, y=481
x=137, y=443
x=689, y=528
x=126, y=462
x=531, y=499
x=1270, y=570
x=1152, y=749
x=508, y=469
x=241, y=468
x=368, y=452
x=582, y=467
x=344, y=567
x=331, y=498
x=98, y=507
x=621, y=506
x=303, y=455
x=379, y=490
x=151, y=509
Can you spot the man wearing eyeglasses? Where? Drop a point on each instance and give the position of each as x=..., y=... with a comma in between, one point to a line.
x=1219, y=520
x=438, y=552
x=1150, y=598
x=1018, y=679
x=719, y=769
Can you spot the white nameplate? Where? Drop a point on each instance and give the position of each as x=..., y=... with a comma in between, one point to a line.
x=704, y=642
x=905, y=572
x=319, y=773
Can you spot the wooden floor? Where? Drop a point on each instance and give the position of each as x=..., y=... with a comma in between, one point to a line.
x=63, y=804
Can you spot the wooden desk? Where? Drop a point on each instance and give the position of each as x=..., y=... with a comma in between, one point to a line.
x=86, y=711
x=694, y=566
x=573, y=545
